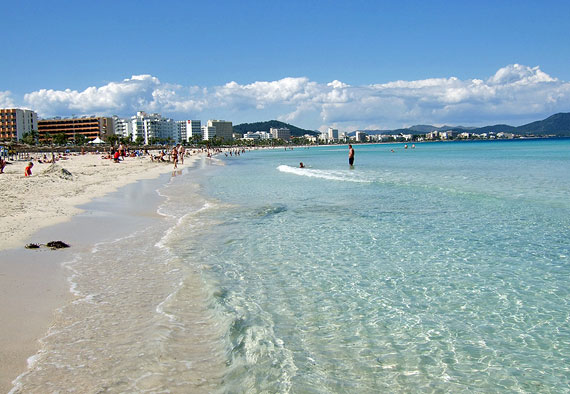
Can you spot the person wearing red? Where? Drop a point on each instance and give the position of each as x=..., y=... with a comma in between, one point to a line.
x=28, y=170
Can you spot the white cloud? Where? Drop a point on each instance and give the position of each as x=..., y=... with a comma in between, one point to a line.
x=6, y=99
x=515, y=92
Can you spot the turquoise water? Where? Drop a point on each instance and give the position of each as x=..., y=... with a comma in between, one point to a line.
x=441, y=268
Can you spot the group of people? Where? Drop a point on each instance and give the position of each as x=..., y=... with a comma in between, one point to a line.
x=28, y=169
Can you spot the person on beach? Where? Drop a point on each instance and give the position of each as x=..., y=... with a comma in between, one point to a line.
x=116, y=157
x=350, y=156
x=174, y=155
x=2, y=165
x=28, y=170
x=181, y=152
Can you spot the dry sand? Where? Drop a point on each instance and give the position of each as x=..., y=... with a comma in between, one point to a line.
x=50, y=196
x=30, y=291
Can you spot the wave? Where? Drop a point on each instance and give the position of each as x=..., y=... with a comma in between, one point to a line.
x=339, y=175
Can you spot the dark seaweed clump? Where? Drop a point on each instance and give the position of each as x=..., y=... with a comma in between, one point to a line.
x=57, y=245
x=32, y=246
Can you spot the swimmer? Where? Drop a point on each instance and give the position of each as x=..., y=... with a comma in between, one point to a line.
x=301, y=165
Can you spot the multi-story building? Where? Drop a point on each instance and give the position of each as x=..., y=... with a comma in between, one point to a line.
x=122, y=127
x=208, y=132
x=189, y=129
x=360, y=136
x=224, y=129
x=90, y=127
x=15, y=122
x=282, y=133
x=153, y=127
x=258, y=135
x=332, y=134
x=181, y=124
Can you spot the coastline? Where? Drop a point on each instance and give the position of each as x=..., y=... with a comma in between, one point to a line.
x=49, y=197
x=36, y=209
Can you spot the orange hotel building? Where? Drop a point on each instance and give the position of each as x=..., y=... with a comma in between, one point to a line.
x=90, y=127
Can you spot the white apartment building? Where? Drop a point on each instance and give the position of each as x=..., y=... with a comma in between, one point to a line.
x=281, y=133
x=154, y=126
x=257, y=135
x=360, y=136
x=188, y=129
x=208, y=132
x=193, y=127
x=332, y=134
x=122, y=127
x=15, y=122
x=181, y=125
x=224, y=129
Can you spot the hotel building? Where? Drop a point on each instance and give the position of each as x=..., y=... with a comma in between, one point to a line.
x=282, y=133
x=154, y=127
x=122, y=127
x=188, y=129
x=15, y=122
x=332, y=134
x=208, y=132
x=224, y=129
x=90, y=127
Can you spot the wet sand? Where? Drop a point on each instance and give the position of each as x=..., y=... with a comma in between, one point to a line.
x=33, y=282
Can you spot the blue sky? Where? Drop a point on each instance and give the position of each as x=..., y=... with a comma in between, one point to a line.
x=349, y=64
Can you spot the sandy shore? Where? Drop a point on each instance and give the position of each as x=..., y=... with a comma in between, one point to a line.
x=49, y=196
x=31, y=288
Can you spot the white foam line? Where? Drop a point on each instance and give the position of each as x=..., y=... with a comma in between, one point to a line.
x=161, y=243
x=322, y=174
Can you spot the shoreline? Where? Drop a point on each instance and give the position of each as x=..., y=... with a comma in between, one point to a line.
x=33, y=282
x=50, y=196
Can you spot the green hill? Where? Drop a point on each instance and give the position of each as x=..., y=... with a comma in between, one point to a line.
x=557, y=124
x=265, y=126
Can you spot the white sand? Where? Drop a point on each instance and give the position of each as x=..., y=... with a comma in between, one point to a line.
x=49, y=197
x=31, y=291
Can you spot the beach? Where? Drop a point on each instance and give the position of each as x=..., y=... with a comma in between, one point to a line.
x=32, y=286
x=436, y=269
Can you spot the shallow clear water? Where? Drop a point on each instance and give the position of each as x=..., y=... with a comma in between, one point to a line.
x=442, y=268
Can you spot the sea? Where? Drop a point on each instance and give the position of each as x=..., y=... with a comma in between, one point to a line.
x=438, y=268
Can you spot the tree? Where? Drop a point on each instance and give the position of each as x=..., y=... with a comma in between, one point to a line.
x=80, y=139
x=60, y=139
x=196, y=138
x=30, y=138
x=139, y=140
x=112, y=139
x=125, y=140
x=48, y=138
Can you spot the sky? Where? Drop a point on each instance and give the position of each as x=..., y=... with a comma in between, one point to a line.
x=315, y=64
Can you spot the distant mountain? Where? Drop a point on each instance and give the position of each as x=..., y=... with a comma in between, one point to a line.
x=498, y=128
x=558, y=124
x=265, y=126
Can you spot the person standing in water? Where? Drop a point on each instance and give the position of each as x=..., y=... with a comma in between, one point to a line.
x=350, y=155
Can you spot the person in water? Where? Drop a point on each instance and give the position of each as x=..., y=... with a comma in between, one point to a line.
x=350, y=155
x=301, y=165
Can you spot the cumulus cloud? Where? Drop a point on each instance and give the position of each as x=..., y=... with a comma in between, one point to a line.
x=515, y=92
x=6, y=99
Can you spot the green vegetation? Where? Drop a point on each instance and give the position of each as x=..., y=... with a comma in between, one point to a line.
x=265, y=126
x=31, y=138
